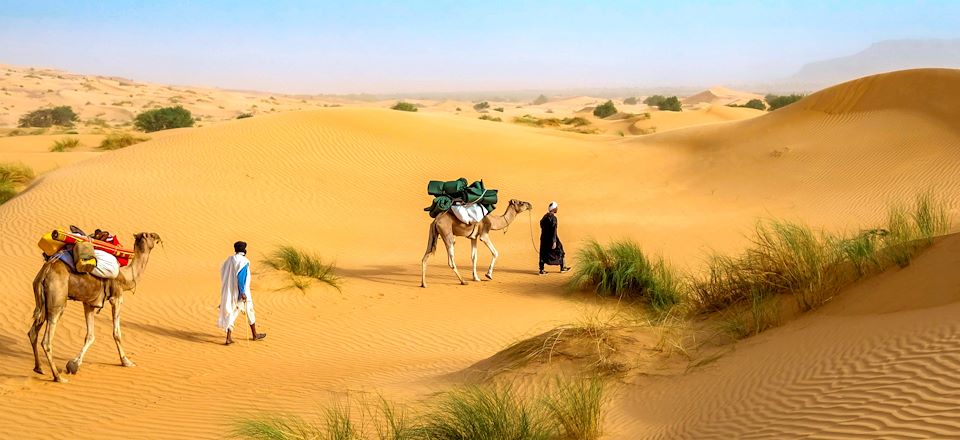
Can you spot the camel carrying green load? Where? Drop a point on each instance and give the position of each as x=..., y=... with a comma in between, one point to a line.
x=454, y=192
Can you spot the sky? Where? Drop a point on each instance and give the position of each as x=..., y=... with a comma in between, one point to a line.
x=339, y=47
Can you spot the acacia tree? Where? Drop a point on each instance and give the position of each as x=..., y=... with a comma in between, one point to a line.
x=163, y=119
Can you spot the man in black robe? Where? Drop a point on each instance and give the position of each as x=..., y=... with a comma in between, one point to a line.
x=551, y=249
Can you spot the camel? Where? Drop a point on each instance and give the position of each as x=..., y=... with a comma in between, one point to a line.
x=56, y=283
x=447, y=227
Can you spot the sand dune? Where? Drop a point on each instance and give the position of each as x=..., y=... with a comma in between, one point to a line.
x=720, y=96
x=349, y=183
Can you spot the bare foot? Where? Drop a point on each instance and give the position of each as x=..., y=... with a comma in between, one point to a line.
x=259, y=336
x=228, y=342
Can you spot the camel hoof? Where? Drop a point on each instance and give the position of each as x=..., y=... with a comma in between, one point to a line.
x=423, y=285
x=463, y=283
x=489, y=276
x=476, y=279
x=72, y=366
x=60, y=379
x=38, y=370
x=127, y=362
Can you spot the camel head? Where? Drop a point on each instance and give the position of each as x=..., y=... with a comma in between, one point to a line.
x=145, y=241
x=520, y=205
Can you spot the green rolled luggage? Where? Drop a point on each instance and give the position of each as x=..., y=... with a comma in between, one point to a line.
x=435, y=188
x=454, y=187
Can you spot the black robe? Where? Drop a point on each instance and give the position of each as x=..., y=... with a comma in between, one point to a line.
x=548, y=237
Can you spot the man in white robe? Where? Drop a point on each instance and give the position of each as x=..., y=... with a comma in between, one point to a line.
x=235, y=293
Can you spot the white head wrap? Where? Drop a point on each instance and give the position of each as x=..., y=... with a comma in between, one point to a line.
x=552, y=206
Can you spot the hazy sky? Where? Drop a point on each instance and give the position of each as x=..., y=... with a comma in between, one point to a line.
x=411, y=46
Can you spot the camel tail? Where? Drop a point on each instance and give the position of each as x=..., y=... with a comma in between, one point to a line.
x=40, y=293
x=432, y=239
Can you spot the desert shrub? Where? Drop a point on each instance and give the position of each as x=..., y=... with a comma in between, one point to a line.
x=97, y=122
x=670, y=104
x=630, y=101
x=780, y=101
x=755, y=104
x=536, y=122
x=302, y=267
x=164, y=119
x=498, y=109
x=654, y=100
x=244, y=115
x=65, y=144
x=542, y=99
x=623, y=270
x=575, y=121
x=404, y=107
x=605, y=109
x=481, y=106
x=12, y=178
x=116, y=141
x=48, y=117
x=490, y=118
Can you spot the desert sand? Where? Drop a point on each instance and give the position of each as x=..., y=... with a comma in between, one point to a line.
x=349, y=183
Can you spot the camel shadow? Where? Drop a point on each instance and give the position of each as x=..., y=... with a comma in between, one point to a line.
x=384, y=274
x=181, y=334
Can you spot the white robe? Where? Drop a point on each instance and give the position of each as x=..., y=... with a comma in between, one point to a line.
x=230, y=304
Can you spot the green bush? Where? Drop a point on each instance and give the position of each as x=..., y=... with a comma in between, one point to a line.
x=575, y=121
x=780, y=101
x=481, y=106
x=244, y=115
x=540, y=100
x=302, y=267
x=48, y=117
x=498, y=109
x=65, y=144
x=630, y=101
x=163, y=119
x=490, y=118
x=116, y=141
x=404, y=107
x=654, y=101
x=670, y=104
x=605, y=109
x=623, y=270
x=755, y=104
x=484, y=413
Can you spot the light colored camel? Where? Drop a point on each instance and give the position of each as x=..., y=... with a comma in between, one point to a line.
x=55, y=284
x=447, y=227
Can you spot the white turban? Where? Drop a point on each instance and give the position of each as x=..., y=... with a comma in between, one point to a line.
x=552, y=206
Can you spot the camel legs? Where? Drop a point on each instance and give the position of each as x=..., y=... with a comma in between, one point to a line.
x=115, y=303
x=486, y=240
x=448, y=241
x=473, y=258
x=53, y=316
x=34, y=334
x=73, y=365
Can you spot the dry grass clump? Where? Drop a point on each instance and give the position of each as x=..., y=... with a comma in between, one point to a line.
x=565, y=410
x=65, y=144
x=13, y=177
x=788, y=258
x=116, y=141
x=302, y=267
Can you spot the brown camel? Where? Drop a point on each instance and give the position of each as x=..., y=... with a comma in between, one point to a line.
x=55, y=284
x=447, y=226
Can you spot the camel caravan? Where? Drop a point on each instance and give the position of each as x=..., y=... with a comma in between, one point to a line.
x=92, y=269
x=95, y=270
x=461, y=210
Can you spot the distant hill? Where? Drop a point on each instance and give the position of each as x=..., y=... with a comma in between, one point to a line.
x=884, y=56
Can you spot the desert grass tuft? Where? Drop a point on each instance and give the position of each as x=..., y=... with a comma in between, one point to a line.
x=486, y=413
x=277, y=428
x=623, y=270
x=576, y=408
x=12, y=178
x=116, y=141
x=65, y=144
x=304, y=268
